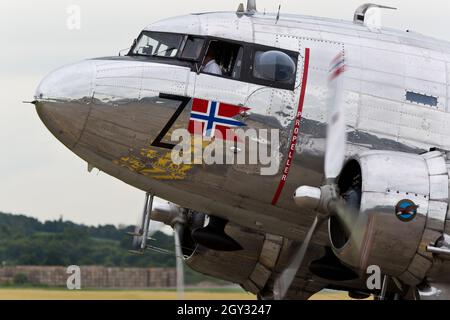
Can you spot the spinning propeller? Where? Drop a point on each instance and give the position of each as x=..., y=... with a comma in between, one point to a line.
x=325, y=200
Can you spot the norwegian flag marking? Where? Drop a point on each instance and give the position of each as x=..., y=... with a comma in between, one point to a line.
x=211, y=117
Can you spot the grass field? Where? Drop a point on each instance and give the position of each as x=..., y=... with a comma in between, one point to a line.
x=203, y=294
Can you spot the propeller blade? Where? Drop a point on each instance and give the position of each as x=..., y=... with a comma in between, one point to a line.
x=336, y=129
x=180, y=263
x=346, y=214
x=334, y=161
x=284, y=281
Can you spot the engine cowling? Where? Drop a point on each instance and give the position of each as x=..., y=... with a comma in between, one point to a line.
x=402, y=200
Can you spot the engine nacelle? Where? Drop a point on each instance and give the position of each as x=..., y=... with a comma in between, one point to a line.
x=402, y=201
x=251, y=267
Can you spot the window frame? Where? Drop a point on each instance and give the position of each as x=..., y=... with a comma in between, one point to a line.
x=249, y=53
x=183, y=46
x=243, y=45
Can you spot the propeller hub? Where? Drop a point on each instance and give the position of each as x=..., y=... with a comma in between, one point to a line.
x=308, y=197
x=322, y=200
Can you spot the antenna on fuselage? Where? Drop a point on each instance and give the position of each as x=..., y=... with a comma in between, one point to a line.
x=251, y=8
x=278, y=14
x=241, y=9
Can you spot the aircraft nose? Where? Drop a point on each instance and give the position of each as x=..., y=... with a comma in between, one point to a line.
x=63, y=101
x=69, y=83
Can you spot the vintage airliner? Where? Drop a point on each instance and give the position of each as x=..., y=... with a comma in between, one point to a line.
x=361, y=112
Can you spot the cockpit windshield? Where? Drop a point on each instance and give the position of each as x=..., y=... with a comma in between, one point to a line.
x=156, y=44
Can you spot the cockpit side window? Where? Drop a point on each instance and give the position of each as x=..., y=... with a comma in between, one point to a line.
x=158, y=44
x=274, y=66
x=224, y=59
x=193, y=48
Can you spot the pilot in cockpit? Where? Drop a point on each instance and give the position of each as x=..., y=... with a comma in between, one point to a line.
x=210, y=64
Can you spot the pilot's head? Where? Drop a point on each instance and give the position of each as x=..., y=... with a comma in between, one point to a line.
x=211, y=54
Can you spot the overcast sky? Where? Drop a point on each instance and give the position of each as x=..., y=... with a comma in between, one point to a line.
x=39, y=177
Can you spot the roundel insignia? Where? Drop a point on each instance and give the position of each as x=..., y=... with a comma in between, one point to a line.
x=406, y=210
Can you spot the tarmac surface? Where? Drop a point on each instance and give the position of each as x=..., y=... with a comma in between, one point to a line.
x=64, y=294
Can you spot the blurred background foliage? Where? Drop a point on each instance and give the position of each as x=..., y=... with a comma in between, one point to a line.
x=27, y=241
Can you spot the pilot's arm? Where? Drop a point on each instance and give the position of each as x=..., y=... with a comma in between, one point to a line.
x=213, y=68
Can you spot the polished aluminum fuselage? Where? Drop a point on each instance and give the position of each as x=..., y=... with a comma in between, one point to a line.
x=108, y=111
